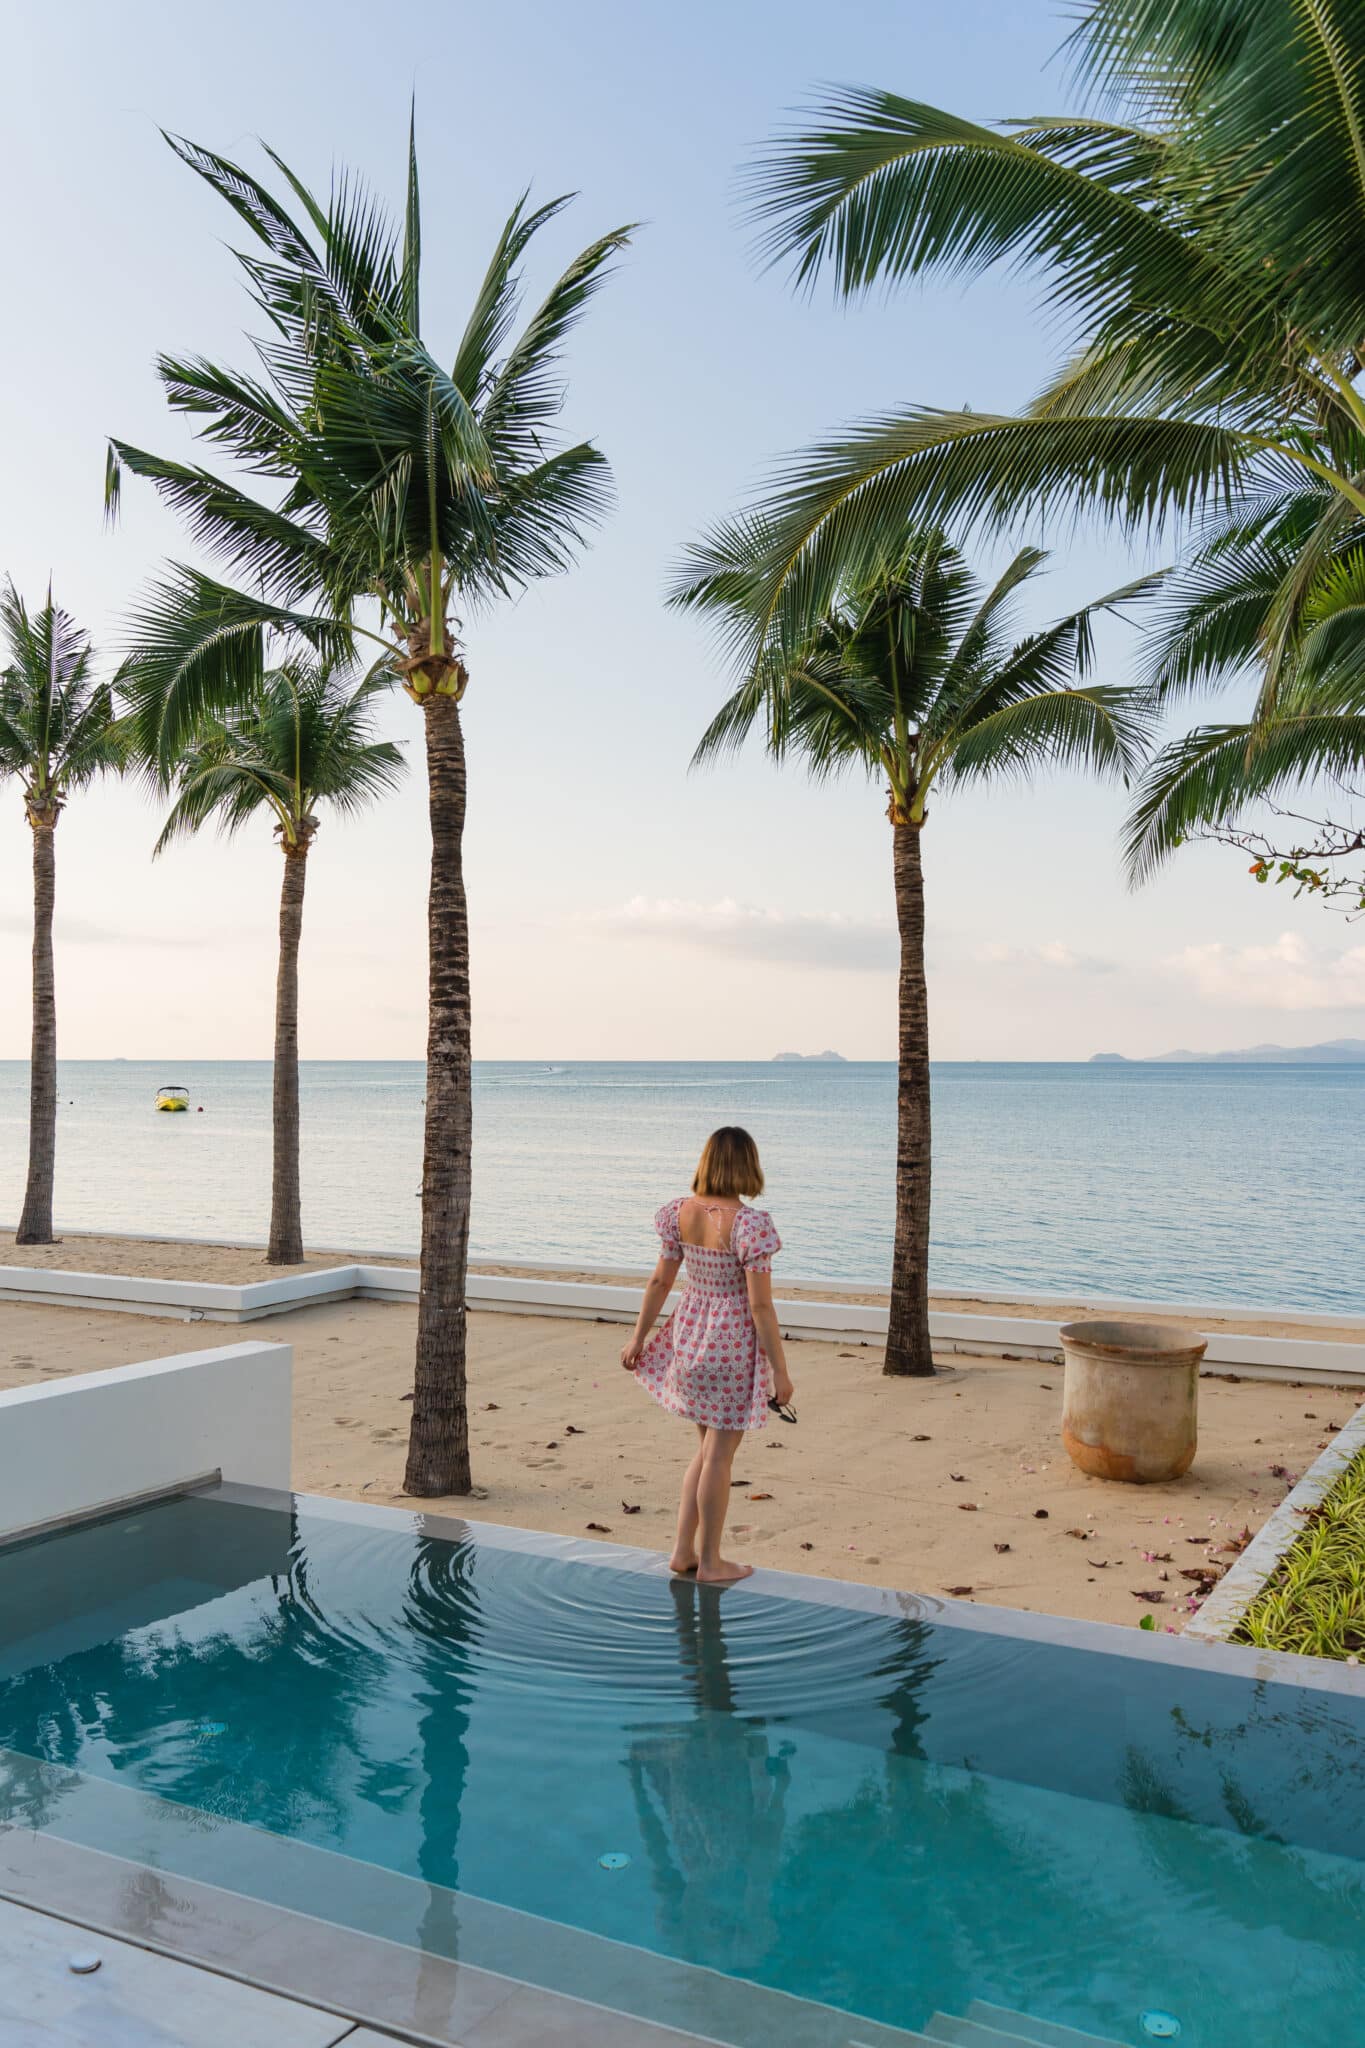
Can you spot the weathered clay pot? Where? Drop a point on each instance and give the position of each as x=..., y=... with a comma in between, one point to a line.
x=1131, y=1408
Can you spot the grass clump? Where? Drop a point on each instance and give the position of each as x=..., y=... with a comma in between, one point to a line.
x=1314, y=1602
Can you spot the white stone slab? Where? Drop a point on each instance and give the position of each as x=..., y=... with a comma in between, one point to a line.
x=70, y=1445
x=135, y=1999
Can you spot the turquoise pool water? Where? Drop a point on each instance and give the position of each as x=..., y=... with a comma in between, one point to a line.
x=889, y=1817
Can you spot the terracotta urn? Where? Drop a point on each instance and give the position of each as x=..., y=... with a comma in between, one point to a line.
x=1131, y=1406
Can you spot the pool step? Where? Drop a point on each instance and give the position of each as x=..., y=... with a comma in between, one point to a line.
x=992, y=2026
x=946, y=2030
x=1031, y=2032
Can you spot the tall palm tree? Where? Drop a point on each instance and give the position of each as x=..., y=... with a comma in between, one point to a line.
x=57, y=734
x=911, y=675
x=403, y=496
x=1198, y=241
x=306, y=737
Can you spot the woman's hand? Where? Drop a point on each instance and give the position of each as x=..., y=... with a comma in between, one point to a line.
x=783, y=1388
x=630, y=1353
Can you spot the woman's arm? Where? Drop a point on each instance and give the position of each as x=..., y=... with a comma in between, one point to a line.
x=656, y=1294
x=769, y=1332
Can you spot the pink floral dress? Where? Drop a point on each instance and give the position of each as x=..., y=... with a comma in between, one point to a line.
x=705, y=1362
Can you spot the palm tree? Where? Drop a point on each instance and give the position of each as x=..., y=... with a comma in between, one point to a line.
x=57, y=733
x=305, y=738
x=910, y=675
x=404, y=495
x=1198, y=241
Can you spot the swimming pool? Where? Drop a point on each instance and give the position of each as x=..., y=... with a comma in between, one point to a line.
x=489, y=1747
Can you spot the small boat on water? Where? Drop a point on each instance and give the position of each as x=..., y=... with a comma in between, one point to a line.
x=172, y=1098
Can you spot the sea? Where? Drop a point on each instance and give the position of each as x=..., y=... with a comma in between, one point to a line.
x=1163, y=1183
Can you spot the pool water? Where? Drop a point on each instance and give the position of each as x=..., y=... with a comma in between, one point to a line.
x=892, y=1817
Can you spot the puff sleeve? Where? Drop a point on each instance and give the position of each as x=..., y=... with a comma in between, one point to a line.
x=755, y=1240
x=666, y=1223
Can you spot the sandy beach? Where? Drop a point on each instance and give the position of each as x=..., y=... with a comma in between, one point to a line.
x=928, y=1486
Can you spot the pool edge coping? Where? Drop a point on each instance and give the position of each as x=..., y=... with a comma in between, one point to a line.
x=1107, y=1638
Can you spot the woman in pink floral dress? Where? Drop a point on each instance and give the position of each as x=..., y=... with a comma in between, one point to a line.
x=718, y=1359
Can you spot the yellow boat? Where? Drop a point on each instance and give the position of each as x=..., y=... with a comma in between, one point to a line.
x=172, y=1098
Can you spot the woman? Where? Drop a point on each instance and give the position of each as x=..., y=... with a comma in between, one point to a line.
x=712, y=1359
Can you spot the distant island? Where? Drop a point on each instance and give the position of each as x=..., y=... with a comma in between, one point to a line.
x=808, y=1056
x=1332, y=1052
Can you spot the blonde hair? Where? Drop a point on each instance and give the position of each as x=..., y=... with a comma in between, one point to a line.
x=728, y=1164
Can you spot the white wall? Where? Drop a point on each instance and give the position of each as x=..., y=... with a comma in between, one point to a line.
x=96, y=1438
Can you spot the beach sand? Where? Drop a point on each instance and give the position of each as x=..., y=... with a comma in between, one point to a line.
x=904, y=1483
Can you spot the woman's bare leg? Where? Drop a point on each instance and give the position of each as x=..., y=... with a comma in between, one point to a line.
x=684, y=1558
x=713, y=1499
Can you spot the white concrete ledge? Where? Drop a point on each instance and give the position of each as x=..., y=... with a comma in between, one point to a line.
x=1218, y=1617
x=72, y=1445
x=1334, y=1360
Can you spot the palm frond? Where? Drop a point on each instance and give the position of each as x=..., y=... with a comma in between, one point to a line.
x=890, y=188
x=284, y=555
x=1212, y=775
x=57, y=723
x=526, y=393
x=843, y=505
x=200, y=647
x=495, y=306
x=1102, y=729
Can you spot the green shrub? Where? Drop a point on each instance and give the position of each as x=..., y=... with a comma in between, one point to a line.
x=1314, y=1601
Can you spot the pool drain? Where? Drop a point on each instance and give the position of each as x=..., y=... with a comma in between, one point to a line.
x=1162, y=2026
x=615, y=1859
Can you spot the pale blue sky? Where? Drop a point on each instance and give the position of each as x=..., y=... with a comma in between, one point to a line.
x=621, y=907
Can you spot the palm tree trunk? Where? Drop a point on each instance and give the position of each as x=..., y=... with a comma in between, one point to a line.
x=35, y=1224
x=438, y=1446
x=908, y=1351
x=286, y=1216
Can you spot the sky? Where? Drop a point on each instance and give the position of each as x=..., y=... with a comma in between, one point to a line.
x=621, y=906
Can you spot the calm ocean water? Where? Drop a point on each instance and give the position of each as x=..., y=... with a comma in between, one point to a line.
x=1175, y=1183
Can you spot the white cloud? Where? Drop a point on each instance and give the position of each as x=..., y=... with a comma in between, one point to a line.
x=1290, y=974
x=1051, y=954
x=801, y=938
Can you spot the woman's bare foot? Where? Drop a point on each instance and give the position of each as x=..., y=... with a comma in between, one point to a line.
x=723, y=1573
x=682, y=1564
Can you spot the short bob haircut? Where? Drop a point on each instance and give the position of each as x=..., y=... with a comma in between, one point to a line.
x=728, y=1164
